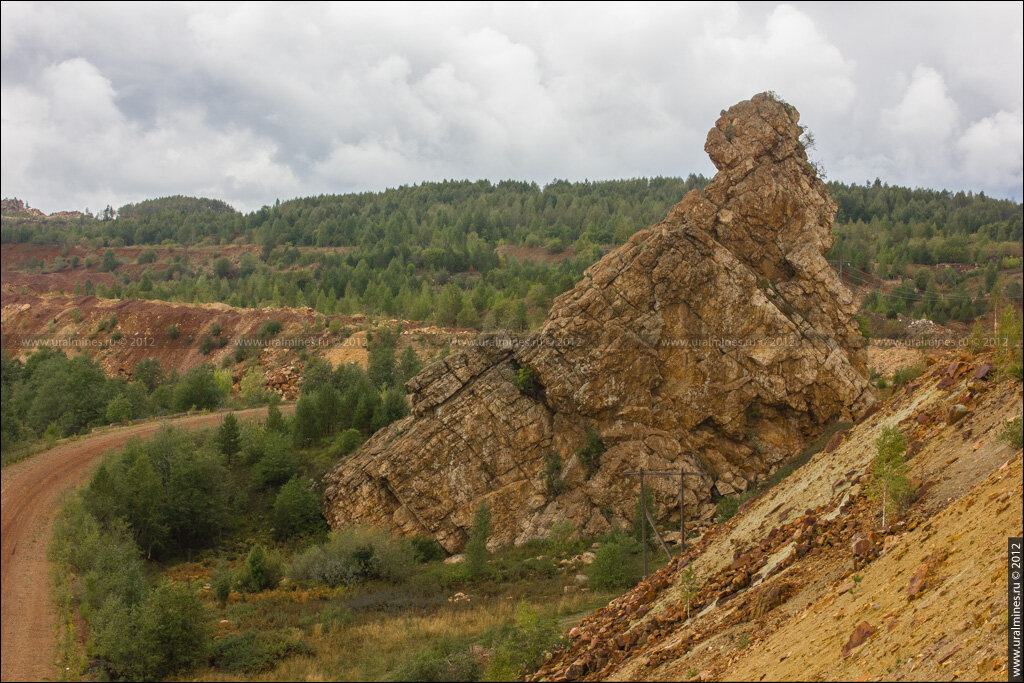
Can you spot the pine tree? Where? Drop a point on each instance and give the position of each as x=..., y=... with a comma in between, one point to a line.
x=228, y=437
x=890, y=485
x=476, y=547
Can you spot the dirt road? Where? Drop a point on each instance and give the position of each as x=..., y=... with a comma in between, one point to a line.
x=31, y=490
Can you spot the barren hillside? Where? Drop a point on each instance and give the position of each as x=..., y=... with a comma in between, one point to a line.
x=805, y=584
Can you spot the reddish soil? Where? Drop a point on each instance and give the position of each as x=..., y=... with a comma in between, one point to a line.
x=535, y=254
x=31, y=491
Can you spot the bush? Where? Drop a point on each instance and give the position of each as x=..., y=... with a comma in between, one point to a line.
x=263, y=570
x=520, y=647
x=354, y=555
x=347, y=442
x=906, y=374
x=688, y=585
x=297, y=510
x=166, y=635
x=206, y=344
x=119, y=409
x=198, y=389
x=426, y=549
x=553, y=482
x=590, y=453
x=447, y=660
x=268, y=329
x=172, y=331
x=615, y=566
x=526, y=382
x=107, y=559
x=251, y=388
x=562, y=539
x=1012, y=433
x=174, y=629
x=255, y=651
x=171, y=489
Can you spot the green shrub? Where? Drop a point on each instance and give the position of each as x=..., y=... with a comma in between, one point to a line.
x=426, y=549
x=615, y=564
x=1012, y=433
x=347, y=442
x=297, y=510
x=198, y=389
x=562, y=539
x=263, y=570
x=354, y=555
x=255, y=651
x=553, y=482
x=590, y=453
x=119, y=409
x=688, y=585
x=520, y=647
x=172, y=331
x=526, y=382
x=906, y=374
x=168, y=634
x=269, y=329
x=172, y=490
x=448, y=659
x=107, y=559
x=206, y=344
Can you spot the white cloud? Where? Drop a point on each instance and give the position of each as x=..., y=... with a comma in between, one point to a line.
x=250, y=102
x=990, y=149
x=920, y=127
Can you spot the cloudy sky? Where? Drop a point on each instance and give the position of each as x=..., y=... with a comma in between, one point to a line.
x=112, y=103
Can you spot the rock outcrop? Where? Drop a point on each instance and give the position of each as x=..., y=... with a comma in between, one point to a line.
x=716, y=341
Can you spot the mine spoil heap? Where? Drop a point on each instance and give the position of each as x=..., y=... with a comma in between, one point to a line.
x=717, y=341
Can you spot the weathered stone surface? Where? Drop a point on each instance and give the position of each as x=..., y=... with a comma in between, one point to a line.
x=717, y=341
x=857, y=638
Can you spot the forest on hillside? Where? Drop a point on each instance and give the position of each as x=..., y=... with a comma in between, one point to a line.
x=489, y=256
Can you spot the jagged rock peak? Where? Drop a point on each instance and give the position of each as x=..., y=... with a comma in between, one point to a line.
x=717, y=341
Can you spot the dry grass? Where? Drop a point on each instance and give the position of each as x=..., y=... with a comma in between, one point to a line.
x=375, y=644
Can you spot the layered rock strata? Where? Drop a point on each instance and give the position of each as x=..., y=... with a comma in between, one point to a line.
x=717, y=341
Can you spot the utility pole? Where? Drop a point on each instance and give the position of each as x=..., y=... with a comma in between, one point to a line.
x=645, y=515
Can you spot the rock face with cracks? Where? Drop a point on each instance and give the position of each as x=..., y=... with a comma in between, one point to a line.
x=717, y=341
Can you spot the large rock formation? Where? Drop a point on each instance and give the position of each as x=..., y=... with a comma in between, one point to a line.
x=717, y=341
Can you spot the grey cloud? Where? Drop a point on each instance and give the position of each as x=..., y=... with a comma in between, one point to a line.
x=250, y=102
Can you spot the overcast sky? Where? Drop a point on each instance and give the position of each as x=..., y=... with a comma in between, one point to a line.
x=249, y=103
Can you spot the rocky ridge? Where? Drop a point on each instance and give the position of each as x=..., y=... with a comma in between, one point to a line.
x=717, y=341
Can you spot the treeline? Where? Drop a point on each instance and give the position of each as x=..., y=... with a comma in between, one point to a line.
x=883, y=229
x=431, y=252
x=52, y=396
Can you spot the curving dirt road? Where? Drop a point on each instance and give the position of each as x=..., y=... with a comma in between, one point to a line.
x=31, y=490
